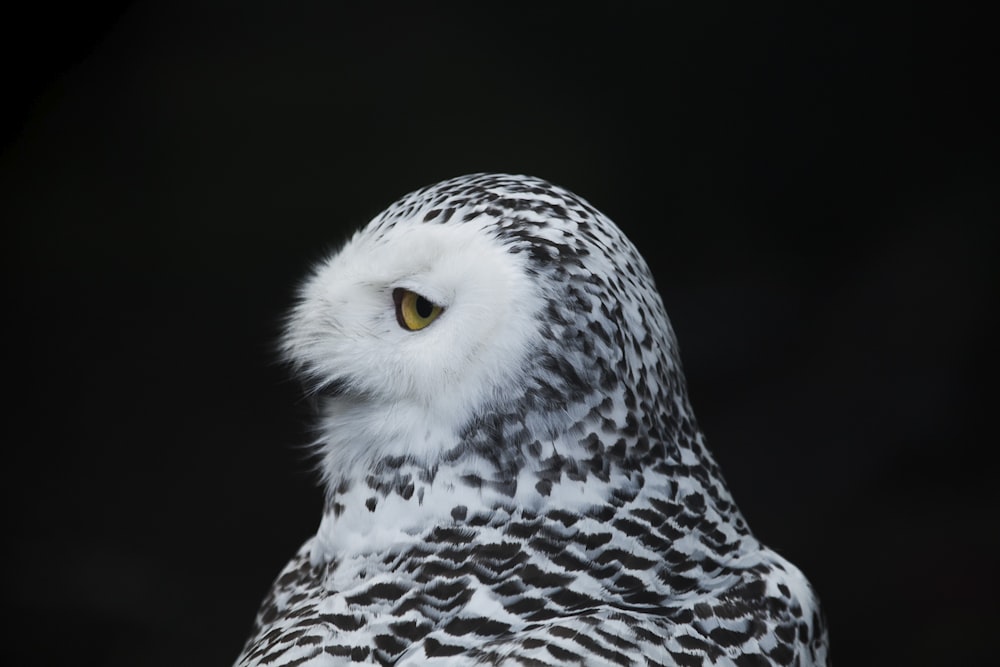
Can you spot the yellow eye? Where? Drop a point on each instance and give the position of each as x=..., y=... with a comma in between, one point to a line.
x=414, y=312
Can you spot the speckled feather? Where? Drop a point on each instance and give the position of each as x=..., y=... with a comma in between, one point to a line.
x=523, y=482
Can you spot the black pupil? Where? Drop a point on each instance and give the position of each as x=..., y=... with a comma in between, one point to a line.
x=424, y=307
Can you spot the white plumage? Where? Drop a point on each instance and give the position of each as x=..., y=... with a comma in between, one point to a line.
x=514, y=474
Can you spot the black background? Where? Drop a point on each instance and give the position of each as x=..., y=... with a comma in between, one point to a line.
x=814, y=187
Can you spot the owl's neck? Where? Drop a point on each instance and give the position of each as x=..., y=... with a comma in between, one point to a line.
x=394, y=472
x=401, y=499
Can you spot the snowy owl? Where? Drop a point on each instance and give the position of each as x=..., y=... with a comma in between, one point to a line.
x=514, y=474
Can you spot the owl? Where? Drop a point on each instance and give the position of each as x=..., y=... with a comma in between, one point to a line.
x=514, y=474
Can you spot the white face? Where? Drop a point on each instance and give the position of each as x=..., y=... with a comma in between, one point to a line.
x=399, y=385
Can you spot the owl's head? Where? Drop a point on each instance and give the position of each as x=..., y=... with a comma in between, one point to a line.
x=487, y=311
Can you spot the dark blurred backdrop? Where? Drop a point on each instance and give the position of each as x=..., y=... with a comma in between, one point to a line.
x=814, y=186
